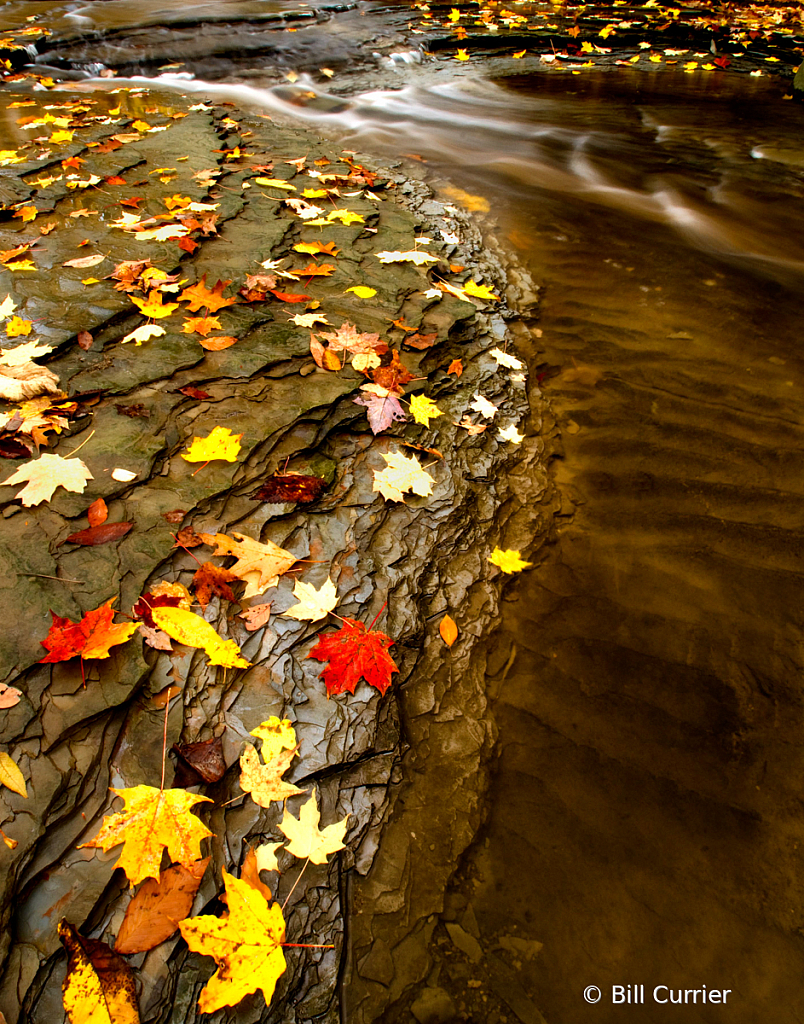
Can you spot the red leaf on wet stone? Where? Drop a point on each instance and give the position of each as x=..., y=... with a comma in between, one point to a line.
x=108, y=147
x=187, y=538
x=188, y=244
x=199, y=762
x=282, y=487
x=97, y=512
x=393, y=375
x=355, y=653
x=85, y=340
x=103, y=534
x=134, y=201
x=288, y=297
x=193, y=392
x=115, y=179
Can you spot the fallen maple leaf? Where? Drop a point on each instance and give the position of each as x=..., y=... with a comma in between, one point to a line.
x=152, y=305
x=504, y=359
x=413, y=256
x=424, y=409
x=190, y=629
x=152, y=820
x=17, y=327
x=306, y=839
x=246, y=944
x=47, y=473
x=154, y=913
x=250, y=872
x=85, y=261
x=90, y=638
x=259, y=565
x=99, y=985
x=480, y=291
x=221, y=443
x=288, y=296
x=212, y=579
x=315, y=270
x=199, y=296
x=393, y=375
x=313, y=604
x=483, y=406
x=347, y=338
x=402, y=473
x=264, y=781
x=201, y=325
x=509, y=560
x=456, y=367
x=382, y=407
x=355, y=653
x=511, y=434
x=218, y=343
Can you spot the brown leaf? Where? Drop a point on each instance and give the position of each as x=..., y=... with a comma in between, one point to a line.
x=174, y=516
x=100, y=534
x=188, y=538
x=11, y=449
x=97, y=978
x=393, y=375
x=203, y=762
x=421, y=341
x=255, y=616
x=456, y=367
x=282, y=487
x=154, y=913
x=155, y=638
x=211, y=579
x=188, y=244
x=97, y=512
x=218, y=343
x=250, y=873
x=133, y=411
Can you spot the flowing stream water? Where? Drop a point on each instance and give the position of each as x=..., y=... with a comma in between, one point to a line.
x=645, y=819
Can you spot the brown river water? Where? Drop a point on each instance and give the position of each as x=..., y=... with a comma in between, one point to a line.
x=645, y=823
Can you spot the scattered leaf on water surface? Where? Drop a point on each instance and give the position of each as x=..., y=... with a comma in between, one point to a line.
x=448, y=630
x=188, y=628
x=246, y=944
x=306, y=838
x=152, y=820
x=99, y=987
x=154, y=913
x=509, y=560
x=354, y=653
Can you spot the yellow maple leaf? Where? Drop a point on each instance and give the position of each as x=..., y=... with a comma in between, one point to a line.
x=152, y=820
x=424, y=409
x=480, y=291
x=509, y=560
x=202, y=325
x=220, y=444
x=21, y=265
x=246, y=944
x=260, y=565
x=402, y=474
x=152, y=305
x=306, y=839
x=27, y=213
x=99, y=987
x=276, y=735
x=345, y=217
x=264, y=781
x=16, y=327
x=313, y=604
x=461, y=55
x=190, y=629
x=47, y=473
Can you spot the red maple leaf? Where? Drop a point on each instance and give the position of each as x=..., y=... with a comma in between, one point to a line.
x=355, y=653
x=90, y=638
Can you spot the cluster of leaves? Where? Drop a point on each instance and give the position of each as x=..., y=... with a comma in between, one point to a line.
x=587, y=28
x=247, y=943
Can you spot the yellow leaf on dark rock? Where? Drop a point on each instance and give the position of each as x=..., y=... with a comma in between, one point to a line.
x=99, y=987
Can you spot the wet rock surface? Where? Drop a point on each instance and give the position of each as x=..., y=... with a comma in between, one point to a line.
x=367, y=755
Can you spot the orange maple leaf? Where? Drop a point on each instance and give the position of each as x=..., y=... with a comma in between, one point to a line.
x=90, y=638
x=201, y=325
x=314, y=270
x=199, y=295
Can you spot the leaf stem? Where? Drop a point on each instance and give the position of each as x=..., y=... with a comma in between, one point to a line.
x=298, y=879
x=379, y=613
x=164, y=745
x=78, y=449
